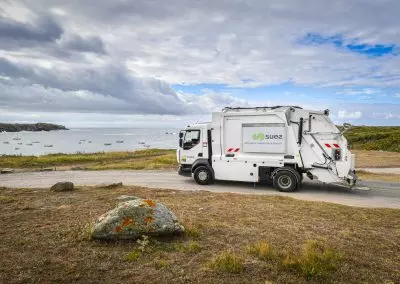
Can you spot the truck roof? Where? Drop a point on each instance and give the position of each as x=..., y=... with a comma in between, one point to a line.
x=260, y=107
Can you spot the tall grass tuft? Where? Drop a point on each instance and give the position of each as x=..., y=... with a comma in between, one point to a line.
x=314, y=261
x=227, y=262
x=262, y=250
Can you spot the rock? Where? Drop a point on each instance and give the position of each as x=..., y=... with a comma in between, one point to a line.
x=134, y=218
x=127, y=197
x=47, y=169
x=7, y=171
x=109, y=185
x=78, y=168
x=63, y=186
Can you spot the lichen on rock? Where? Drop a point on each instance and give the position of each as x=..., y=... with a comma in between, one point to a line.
x=134, y=218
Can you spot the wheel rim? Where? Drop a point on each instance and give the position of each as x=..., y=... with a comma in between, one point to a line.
x=285, y=181
x=203, y=176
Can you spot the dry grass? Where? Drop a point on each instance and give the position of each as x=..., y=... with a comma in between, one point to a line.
x=378, y=177
x=45, y=238
x=377, y=159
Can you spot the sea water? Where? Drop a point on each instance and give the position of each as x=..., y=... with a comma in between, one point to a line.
x=87, y=140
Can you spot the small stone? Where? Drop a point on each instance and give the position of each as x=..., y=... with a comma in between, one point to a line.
x=110, y=185
x=47, y=169
x=127, y=197
x=7, y=171
x=63, y=186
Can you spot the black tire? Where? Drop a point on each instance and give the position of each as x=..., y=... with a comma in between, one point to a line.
x=203, y=176
x=285, y=181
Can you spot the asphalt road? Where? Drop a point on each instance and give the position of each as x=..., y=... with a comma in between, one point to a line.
x=381, y=194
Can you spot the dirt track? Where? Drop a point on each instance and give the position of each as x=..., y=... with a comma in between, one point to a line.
x=380, y=194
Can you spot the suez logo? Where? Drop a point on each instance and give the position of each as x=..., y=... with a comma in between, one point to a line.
x=259, y=136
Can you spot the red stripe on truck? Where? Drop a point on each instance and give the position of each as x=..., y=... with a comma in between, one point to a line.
x=230, y=149
x=327, y=145
x=336, y=145
x=237, y=149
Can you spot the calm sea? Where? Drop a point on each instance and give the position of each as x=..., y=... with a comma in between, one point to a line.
x=86, y=140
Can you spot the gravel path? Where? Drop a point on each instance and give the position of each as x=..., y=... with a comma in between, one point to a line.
x=381, y=194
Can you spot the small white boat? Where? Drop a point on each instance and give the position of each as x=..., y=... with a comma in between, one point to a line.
x=120, y=141
x=141, y=143
x=19, y=143
x=146, y=146
x=16, y=148
x=29, y=144
x=16, y=138
x=107, y=144
x=36, y=142
x=48, y=145
x=6, y=142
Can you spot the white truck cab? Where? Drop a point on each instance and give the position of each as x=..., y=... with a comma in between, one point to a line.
x=266, y=144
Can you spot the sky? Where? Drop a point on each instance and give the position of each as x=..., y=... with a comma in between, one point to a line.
x=159, y=63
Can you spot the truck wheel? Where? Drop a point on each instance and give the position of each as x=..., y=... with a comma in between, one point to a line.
x=202, y=175
x=285, y=181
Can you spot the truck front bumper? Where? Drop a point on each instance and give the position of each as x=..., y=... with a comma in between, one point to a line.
x=185, y=170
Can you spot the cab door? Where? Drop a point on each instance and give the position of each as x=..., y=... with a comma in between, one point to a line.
x=192, y=147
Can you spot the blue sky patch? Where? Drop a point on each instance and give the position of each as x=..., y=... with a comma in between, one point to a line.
x=372, y=50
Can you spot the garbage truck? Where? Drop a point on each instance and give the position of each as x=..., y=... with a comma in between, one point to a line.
x=277, y=145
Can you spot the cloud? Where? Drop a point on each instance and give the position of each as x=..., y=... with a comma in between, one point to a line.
x=42, y=29
x=353, y=92
x=83, y=44
x=344, y=114
x=387, y=115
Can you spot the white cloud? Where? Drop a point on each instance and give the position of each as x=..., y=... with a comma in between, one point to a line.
x=365, y=91
x=344, y=114
x=387, y=115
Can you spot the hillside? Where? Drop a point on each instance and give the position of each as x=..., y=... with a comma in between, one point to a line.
x=16, y=127
x=384, y=138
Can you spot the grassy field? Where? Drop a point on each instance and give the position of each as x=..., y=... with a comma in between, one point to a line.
x=137, y=160
x=385, y=138
x=230, y=238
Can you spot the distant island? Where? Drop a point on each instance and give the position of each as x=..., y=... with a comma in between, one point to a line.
x=17, y=127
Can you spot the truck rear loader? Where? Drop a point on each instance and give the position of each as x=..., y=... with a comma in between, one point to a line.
x=275, y=145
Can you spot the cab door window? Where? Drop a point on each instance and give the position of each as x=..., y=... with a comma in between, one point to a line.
x=192, y=138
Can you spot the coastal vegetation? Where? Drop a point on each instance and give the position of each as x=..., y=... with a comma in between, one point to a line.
x=379, y=138
x=137, y=160
x=238, y=237
x=17, y=127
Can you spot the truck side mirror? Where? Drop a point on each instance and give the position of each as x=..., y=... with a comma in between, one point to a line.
x=180, y=142
x=180, y=134
x=346, y=127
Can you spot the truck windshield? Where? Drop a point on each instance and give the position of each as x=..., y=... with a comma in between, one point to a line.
x=192, y=138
